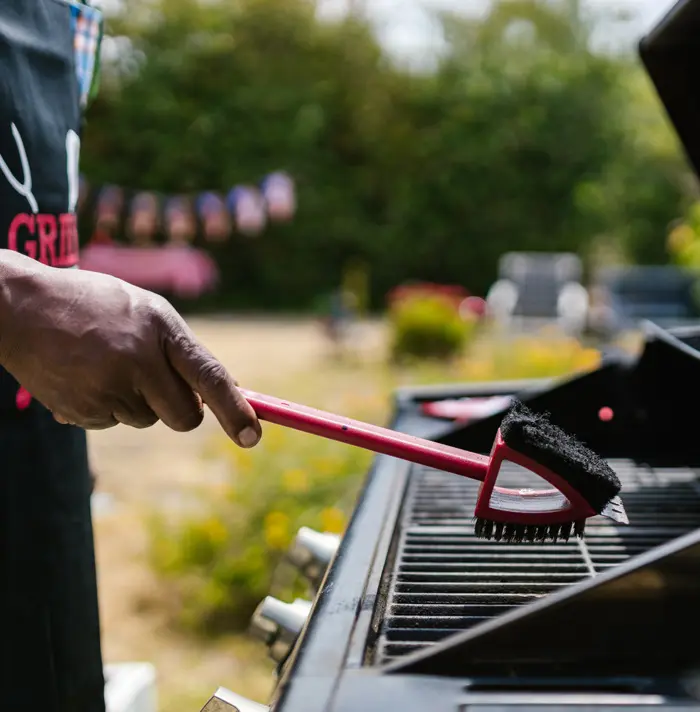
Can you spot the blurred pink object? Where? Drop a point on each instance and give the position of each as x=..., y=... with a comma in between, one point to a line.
x=23, y=398
x=248, y=208
x=278, y=191
x=467, y=410
x=475, y=306
x=178, y=269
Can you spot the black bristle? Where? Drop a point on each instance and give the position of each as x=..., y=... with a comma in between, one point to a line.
x=541, y=534
x=498, y=532
x=536, y=437
x=565, y=531
x=531, y=533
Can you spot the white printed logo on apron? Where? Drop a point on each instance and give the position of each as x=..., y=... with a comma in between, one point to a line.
x=51, y=239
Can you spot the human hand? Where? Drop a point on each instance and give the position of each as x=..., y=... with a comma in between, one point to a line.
x=97, y=351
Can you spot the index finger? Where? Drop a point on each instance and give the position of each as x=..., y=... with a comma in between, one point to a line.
x=206, y=376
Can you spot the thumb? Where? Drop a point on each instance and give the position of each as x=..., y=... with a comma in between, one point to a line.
x=205, y=375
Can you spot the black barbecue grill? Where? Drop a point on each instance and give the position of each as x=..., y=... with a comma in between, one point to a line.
x=415, y=613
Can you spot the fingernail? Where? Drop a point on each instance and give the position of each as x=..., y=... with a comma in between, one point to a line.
x=248, y=437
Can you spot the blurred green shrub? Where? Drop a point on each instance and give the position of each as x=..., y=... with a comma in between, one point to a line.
x=429, y=326
x=221, y=564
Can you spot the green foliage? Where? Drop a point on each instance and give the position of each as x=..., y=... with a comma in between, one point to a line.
x=429, y=326
x=221, y=564
x=640, y=194
x=520, y=138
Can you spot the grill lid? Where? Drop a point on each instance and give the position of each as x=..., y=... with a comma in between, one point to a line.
x=671, y=54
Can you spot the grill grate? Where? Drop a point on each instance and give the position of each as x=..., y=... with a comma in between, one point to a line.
x=445, y=580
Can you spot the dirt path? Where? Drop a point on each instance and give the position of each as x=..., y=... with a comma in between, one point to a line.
x=142, y=470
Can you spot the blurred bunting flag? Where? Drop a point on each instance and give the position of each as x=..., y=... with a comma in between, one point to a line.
x=143, y=218
x=278, y=191
x=179, y=222
x=248, y=208
x=216, y=222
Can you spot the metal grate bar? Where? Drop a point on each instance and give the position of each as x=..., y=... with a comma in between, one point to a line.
x=445, y=580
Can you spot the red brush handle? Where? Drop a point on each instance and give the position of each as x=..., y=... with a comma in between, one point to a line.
x=368, y=437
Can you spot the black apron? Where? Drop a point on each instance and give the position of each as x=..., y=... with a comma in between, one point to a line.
x=49, y=623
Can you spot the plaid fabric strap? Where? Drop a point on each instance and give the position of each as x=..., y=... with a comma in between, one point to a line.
x=88, y=27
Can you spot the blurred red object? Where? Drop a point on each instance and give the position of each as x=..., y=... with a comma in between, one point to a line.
x=475, y=306
x=407, y=291
x=466, y=303
x=178, y=269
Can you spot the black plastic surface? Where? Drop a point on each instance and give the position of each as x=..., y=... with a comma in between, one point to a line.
x=671, y=55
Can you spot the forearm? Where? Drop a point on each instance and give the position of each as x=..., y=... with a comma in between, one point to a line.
x=19, y=277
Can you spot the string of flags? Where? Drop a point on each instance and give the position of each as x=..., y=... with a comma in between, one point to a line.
x=141, y=216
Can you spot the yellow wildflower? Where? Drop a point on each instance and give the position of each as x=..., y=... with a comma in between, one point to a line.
x=276, y=518
x=680, y=238
x=479, y=370
x=277, y=530
x=277, y=537
x=588, y=359
x=325, y=465
x=333, y=520
x=215, y=531
x=295, y=481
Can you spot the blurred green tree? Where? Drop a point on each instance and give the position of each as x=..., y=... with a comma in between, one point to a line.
x=516, y=141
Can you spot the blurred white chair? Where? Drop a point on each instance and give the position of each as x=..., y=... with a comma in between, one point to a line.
x=572, y=308
x=501, y=300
